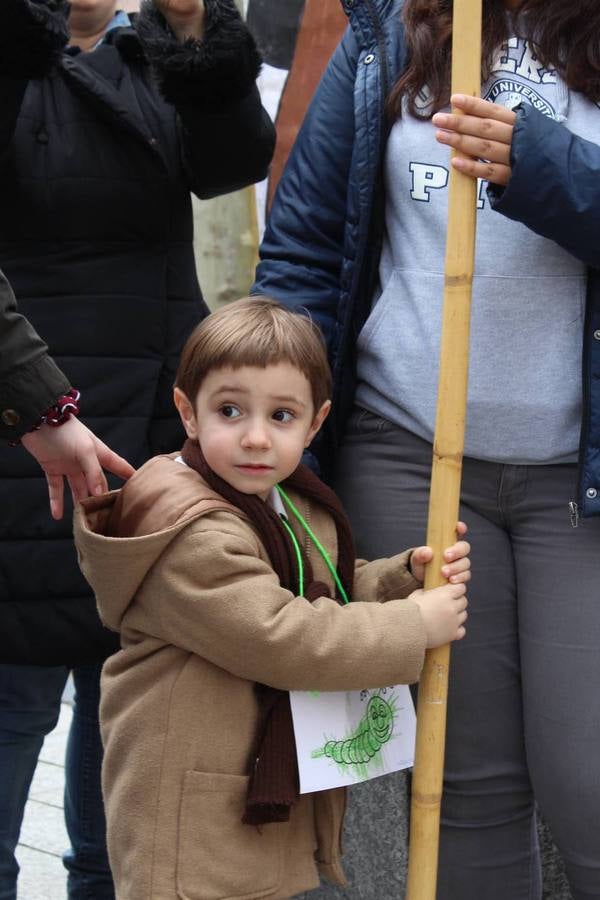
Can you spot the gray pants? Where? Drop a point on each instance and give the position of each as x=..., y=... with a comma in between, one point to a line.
x=524, y=698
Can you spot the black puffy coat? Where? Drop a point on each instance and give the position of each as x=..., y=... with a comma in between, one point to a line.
x=96, y=239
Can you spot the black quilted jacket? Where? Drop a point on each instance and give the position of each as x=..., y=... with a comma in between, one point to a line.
x=98, y=153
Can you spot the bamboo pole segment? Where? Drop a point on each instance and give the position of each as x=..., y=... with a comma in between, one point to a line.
x=446, y=472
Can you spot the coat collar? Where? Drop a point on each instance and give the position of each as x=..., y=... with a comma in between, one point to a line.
x=100, y=78
x=369, y=19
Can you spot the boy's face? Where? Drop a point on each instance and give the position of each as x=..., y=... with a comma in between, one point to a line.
x=252, y=424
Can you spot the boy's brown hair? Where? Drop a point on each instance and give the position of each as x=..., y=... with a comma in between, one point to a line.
x=255, y=331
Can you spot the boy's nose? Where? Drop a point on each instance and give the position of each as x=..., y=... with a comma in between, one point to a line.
x=257, y=436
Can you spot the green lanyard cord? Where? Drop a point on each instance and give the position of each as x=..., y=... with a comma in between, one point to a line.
x=316, y=542
x=298, y=556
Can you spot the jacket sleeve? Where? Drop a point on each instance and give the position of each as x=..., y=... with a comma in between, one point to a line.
x=227, y=138
x=213, y=595
x=302, y=250
x=554, y=187
x=384, y=579
x=30, y=381
x=32, y=37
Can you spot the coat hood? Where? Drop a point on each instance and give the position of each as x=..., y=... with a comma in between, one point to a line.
x=120, y=535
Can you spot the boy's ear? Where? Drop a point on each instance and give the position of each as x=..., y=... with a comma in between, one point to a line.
x=318, y=420
x=186, y=412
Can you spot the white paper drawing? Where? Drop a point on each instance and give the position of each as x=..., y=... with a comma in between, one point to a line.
x=349, y=736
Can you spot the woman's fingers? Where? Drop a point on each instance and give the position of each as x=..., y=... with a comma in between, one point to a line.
x=484, y=140
x=55, y=494
x=492, y=172
x=488, y=132
x=480, y=147
x=483, y=158
x=79, y=488
x=483, y=134
x=483, y=109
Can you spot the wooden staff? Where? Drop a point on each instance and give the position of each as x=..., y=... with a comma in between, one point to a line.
x=446, y=472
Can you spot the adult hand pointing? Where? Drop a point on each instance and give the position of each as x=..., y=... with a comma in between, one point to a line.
x=73, y=452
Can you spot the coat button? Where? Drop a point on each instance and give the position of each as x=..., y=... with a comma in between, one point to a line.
x=152, y=141
x=591, y=493
x=350, y=4
x=10, y=417
x=369, y=59
x=597, y=335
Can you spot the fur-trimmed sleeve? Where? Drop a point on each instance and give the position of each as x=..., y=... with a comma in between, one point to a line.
x=216, y=71
x=227, y=138
x=32, y=36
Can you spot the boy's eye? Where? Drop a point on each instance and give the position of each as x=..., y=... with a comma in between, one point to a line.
x=229, y=411
x=283, y=415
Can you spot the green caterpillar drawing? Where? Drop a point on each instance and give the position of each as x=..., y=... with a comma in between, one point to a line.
x=374, y=730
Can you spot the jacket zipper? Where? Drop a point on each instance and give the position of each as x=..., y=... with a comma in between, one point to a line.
x=381, y=45
x=574, y=513
x=587, y=325
x=380, y=39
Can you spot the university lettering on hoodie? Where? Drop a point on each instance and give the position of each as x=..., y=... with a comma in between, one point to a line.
x=518, y=77
x=528, y=293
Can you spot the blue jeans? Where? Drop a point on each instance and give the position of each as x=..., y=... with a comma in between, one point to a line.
x=30, y=699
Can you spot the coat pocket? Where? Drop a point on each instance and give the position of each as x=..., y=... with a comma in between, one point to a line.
x=218, y=858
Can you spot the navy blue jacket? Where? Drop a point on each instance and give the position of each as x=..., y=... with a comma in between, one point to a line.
x=322, y=246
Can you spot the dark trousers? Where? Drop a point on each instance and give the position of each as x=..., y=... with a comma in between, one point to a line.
x=30, y=699
x=524, y=707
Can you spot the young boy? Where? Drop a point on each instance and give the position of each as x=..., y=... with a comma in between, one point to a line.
x=224, y=607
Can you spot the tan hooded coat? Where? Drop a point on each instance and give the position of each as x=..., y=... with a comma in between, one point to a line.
x=184, y=577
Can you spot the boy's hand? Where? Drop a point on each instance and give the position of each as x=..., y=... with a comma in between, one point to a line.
x=444, y=612
x=186, y=17
x=457, y=565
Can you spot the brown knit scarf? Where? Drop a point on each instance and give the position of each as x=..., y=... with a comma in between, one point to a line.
x=274, y=781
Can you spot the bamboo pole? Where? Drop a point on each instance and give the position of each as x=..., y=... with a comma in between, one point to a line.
x=446, y=472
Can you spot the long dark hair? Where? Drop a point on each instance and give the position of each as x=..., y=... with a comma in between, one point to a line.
x=565, y=35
